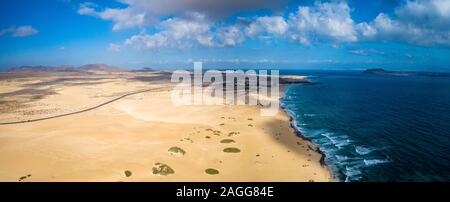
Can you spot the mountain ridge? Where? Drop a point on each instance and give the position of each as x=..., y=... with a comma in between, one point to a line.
x=83, y=68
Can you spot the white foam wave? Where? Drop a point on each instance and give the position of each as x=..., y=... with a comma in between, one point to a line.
x=352, y=173
x=338, y=141
x=341, y=158
x=365, y=150
x=310, y=115
x=372, y=162
x=345, y=160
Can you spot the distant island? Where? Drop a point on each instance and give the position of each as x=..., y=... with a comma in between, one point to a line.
x=405, y=73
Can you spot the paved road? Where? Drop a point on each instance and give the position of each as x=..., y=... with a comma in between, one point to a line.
x=81, y=111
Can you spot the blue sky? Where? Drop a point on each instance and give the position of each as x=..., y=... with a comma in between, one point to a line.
x=403, y=35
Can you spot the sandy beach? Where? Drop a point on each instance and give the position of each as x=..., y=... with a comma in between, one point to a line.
x=140, y=137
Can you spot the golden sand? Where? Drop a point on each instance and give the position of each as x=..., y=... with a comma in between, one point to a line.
x=125, y=139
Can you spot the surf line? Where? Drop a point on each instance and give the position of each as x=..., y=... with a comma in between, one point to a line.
x=81, y=111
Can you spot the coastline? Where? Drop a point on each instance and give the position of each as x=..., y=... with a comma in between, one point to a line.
x=302, y=136
x=303, y=80
x=140, y=131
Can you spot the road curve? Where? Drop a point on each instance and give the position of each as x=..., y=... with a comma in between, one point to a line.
x=81, y=111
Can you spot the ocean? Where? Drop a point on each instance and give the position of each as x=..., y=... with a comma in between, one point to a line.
x=375, y=128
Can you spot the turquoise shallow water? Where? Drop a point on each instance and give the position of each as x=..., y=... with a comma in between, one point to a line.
x=376, y=128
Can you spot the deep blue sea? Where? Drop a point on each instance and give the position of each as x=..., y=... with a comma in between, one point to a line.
x=376, y=128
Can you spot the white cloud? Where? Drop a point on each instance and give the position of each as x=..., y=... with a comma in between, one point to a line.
x=139, y=13
x=183, y=24
x=176, y=33
x=114, y=47
x=185, y=33
x=230, y=36
x=366, y=52
x=426, y=13
x=22, y=31
x=329, y=21
x=145, y=41
x=87, y=8
x=417, y=22
x=122, y=18
x=275, y=25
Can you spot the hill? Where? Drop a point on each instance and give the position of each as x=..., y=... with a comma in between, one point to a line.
x=405, y=73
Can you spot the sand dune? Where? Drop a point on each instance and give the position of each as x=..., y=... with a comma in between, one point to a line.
x=131, y=139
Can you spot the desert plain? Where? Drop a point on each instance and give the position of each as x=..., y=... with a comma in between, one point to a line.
x=121, y=126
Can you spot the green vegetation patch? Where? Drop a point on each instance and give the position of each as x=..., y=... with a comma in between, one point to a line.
x=128, y=173
x=215, y=132
x=24, y=177
x=162, y=169
x=226, y=141
x=231, y=150
x=233, y=133
x=211, y=171
x=177, y=150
